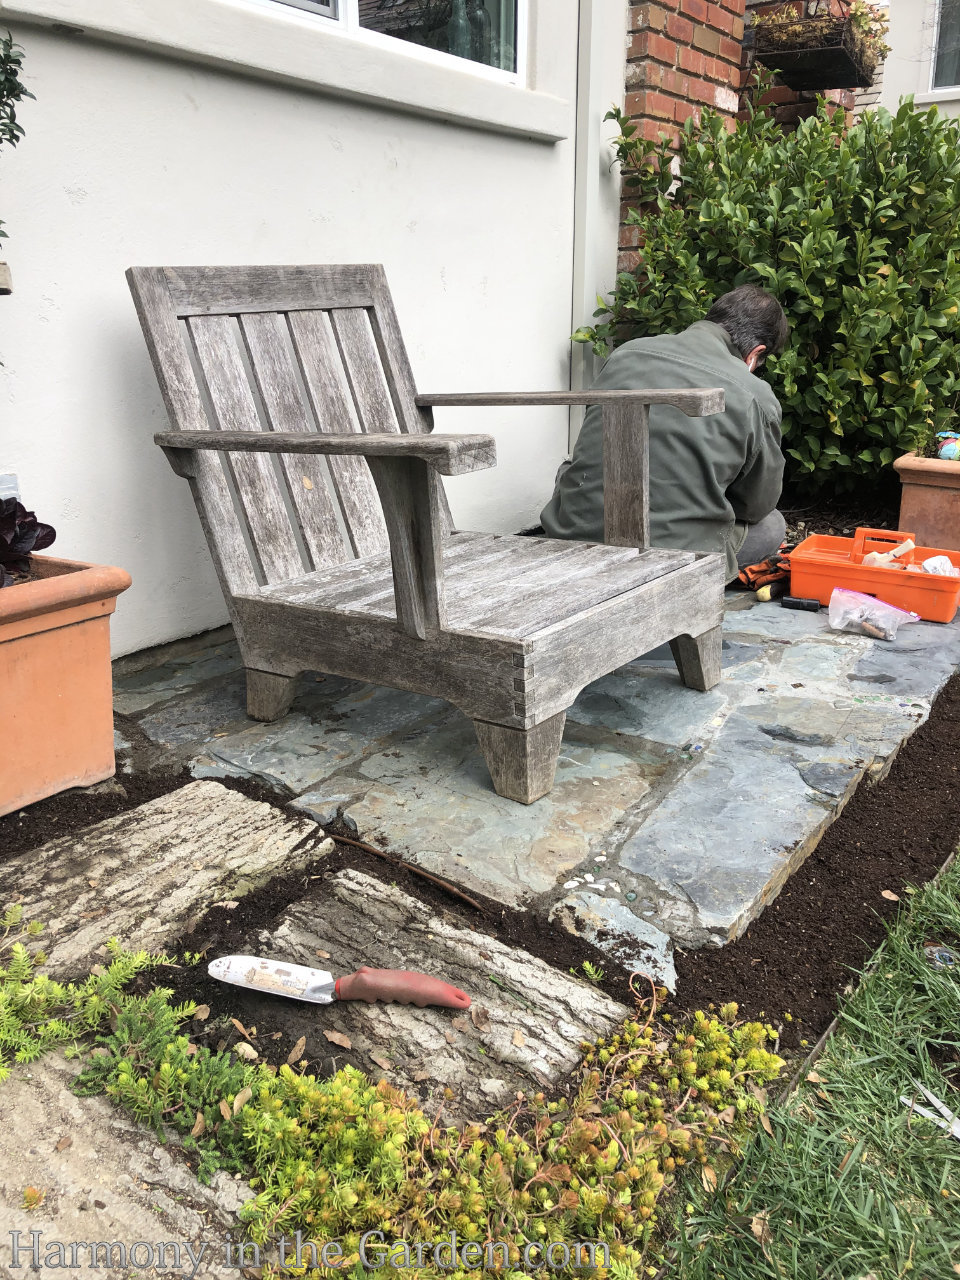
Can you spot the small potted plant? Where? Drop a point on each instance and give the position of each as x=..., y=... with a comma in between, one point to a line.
x=930, y=489
x=828, y=44
x=56, y=703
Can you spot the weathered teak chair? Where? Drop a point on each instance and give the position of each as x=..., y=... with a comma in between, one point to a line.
x=295, y=410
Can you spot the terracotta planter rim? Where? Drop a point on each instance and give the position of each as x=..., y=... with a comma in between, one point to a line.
x=66, y=584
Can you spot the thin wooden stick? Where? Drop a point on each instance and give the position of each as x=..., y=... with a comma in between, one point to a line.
x=409, y=866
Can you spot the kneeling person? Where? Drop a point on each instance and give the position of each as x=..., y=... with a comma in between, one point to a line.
x=714, y=481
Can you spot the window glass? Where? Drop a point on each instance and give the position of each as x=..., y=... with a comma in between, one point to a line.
x=946, y=70
x=327, y=7
x=481, y=30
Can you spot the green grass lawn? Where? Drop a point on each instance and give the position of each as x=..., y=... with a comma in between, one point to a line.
x=849, y=1186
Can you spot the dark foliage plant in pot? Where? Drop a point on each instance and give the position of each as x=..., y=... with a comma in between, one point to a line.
x=21, y=533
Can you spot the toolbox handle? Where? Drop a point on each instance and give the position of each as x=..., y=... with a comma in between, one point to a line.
x=893, y=536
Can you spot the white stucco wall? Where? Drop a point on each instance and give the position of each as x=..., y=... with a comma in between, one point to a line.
x=908, y=66
x=133, y=157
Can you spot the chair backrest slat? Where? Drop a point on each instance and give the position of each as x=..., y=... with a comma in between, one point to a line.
x=258, y=486
x=268, y=343
x=327, y=386
x=292, y=348
x=361, y=360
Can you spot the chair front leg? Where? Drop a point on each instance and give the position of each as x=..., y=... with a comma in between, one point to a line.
x=522, y=762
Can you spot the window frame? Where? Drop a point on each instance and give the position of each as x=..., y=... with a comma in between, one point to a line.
x=283, y=44
x=321, y=8
x=949, y=90
x=346, y=16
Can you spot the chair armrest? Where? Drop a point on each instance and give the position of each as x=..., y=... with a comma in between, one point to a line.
x=697, y=403
x=450, y=455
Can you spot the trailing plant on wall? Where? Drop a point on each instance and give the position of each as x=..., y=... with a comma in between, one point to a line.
x=12, y=91
x=856, y=231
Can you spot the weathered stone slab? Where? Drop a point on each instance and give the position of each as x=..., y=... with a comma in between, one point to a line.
x=432, y=798
x=652, y=705
x=302, y=750
x=198, y=716
x=144, y=875
x=608, y=923
x=524, y=1028
x=111, y=1181
x=146, y=688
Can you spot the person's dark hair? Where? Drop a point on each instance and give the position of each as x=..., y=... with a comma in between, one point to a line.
x=752, y=317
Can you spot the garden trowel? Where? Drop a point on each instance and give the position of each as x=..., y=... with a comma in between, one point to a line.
x=299, y=982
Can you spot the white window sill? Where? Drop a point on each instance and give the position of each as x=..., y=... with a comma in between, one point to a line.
x=281, y=43
x=949, y=94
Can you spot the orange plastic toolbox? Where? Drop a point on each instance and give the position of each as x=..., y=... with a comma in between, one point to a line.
x=821, y=562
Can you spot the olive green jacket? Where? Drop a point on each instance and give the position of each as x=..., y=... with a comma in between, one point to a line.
x=709, y=477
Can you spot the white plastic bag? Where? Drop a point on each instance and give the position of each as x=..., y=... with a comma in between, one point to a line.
x=853, y=611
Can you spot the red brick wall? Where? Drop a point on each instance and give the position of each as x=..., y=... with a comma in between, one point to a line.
x=682, y=55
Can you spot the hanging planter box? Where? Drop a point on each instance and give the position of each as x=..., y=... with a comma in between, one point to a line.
x=823, y=52
x=56, y=704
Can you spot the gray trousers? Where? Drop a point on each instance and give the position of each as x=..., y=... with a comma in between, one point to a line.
x=763, y=539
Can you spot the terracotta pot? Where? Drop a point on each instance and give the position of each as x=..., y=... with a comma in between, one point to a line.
x=56, y=696
x=930, y=500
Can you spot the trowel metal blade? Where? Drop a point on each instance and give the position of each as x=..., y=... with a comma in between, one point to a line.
x=275, y=977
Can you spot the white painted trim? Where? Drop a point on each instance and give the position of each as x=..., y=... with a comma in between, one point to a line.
x=600, y=84
x=286, y=44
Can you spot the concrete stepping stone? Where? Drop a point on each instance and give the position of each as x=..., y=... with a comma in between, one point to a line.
x=523, y=1030
x=103, y=1178
x=144, y=875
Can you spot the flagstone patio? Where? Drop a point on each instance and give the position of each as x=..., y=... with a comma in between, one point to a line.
x=676, y=815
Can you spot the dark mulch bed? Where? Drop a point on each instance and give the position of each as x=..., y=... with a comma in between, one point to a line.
x=801, y=952
x=839, y=517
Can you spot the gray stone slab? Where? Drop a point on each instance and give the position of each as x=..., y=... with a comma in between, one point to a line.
x=145, y=689
x=773, y=622
x=431, y=797
x=198, y=716
x=726, y=837
x=143, y=876
x=524, y=1028
x=637, y=945
x=300, y=751
x=652, y=705
x=916, y=664
x=112, y=1181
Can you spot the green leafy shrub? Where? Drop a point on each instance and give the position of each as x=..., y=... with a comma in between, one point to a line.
x=856, y=231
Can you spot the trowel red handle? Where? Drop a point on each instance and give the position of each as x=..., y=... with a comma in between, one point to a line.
x=400, y=986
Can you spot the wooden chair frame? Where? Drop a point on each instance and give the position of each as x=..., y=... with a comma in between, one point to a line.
x=516, y=685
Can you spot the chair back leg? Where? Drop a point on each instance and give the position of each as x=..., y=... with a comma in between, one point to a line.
x=268, y=695
x=522, y=762
x=698, y=658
